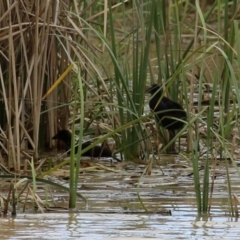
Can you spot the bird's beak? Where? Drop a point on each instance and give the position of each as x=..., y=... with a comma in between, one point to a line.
x=55, y=136
x=147, y=88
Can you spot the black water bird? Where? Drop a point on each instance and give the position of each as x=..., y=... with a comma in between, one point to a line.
x=166, y=112
x=96, y=151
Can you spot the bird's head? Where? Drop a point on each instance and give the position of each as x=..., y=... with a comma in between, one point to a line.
x=153, y=89
x=63, y=135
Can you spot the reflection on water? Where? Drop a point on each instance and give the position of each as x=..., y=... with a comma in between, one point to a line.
x=117, y=226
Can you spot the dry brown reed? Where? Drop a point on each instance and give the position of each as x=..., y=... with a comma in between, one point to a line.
x=38, y=41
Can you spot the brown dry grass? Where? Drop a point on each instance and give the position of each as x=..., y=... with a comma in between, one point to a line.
x=38, y=41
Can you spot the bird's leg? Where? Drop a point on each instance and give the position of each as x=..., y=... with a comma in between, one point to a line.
x=171, y=148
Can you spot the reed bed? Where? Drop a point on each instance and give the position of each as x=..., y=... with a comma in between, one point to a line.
x=84, y=65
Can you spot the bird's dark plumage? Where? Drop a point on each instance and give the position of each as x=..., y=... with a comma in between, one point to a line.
x=166, y=110
x=96, y=151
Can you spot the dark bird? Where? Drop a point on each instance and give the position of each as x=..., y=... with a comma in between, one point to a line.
x=96, y=151
x=166, y=110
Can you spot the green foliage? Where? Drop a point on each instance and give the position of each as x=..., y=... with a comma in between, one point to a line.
x=130, y=87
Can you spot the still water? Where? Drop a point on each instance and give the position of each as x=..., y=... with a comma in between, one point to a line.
x=117, y=226
x=114, y=210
